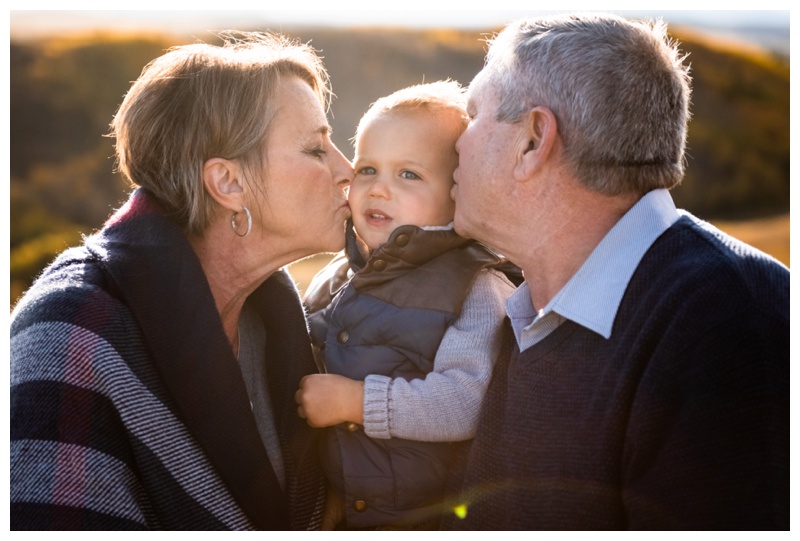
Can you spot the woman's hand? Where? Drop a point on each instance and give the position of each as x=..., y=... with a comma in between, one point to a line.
x=330, y=399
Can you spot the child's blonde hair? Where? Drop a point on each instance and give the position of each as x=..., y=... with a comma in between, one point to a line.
x=445, y=96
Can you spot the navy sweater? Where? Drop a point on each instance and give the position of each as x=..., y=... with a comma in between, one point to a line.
x=679, y=421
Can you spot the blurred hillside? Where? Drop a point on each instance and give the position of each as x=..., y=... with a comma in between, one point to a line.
x=64, y=92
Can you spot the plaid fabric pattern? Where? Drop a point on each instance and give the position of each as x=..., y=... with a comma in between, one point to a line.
x=103, y=436
x=94, y=443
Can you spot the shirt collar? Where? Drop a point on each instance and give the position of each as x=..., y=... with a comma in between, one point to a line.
x=592, y=296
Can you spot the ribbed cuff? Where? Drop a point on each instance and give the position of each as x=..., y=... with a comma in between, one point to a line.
x=376, y=409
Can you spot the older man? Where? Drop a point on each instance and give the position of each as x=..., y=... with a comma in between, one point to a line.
x=644, y=380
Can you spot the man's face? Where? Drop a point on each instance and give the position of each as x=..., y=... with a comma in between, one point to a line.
x=484, y=177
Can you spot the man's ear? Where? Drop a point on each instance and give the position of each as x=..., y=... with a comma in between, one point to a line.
x=537, y=137
x=223, y=181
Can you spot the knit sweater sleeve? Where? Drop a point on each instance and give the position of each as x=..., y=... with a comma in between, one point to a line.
x=455, y=388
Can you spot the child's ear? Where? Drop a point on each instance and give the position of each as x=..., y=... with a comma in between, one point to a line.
x=537, y=137
x=223, y=181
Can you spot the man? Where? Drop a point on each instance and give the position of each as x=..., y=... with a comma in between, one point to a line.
x=644, y=380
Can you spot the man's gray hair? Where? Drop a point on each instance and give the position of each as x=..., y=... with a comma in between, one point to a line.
x=619, y=90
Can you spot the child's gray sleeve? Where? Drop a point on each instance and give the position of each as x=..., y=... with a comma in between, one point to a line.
x=445, y=405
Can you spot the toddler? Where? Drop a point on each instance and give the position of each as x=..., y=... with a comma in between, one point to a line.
x=406, y=320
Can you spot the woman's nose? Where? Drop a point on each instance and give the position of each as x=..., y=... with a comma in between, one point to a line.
x=342, y=171
x=344, y=182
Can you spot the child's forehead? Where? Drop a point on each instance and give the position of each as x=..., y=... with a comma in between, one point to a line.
x=412, y=113
x=392, y=134
x=433, y=120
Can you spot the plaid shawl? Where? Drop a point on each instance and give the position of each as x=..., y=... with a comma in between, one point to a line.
x=128, y=408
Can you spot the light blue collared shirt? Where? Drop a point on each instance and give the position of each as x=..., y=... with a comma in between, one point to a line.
x=591, y=297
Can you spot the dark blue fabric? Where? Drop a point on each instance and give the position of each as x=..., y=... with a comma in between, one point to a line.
x=382, y=338
x=679, y=421
x=393, y=331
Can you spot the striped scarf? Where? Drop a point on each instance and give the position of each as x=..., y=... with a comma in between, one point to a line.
x=128, y=408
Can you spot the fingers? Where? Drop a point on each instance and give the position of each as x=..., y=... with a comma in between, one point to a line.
x=298, y=399
x=313, y=400
x=303, y=414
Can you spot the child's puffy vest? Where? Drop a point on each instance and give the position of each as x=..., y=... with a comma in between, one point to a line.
x=388, y=318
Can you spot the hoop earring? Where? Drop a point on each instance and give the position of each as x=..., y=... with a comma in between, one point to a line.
x=249, y=223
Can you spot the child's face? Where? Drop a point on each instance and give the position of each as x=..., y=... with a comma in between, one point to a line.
x=403, y=174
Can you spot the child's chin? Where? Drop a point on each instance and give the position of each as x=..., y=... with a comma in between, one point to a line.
x=372, y=245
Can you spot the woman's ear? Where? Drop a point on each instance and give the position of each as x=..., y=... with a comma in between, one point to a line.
x=537, y=137
x=223, y=181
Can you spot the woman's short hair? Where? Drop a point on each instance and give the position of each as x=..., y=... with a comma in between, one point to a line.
x=445, y=96
x=619, y=90
x=203, y=101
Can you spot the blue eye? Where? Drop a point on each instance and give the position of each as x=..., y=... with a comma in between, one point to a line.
x=409, y=175
x=366, y=171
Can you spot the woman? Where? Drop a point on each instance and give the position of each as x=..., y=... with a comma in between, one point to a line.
x=153, y=369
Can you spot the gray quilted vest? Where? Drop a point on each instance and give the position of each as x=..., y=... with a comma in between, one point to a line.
x=388, y=318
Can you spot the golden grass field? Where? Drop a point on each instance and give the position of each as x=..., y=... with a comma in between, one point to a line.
x=770, y=235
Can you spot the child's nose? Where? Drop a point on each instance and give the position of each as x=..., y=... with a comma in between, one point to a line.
x=379, y=188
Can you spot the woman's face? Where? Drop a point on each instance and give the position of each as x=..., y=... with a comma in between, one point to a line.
x=304, y=207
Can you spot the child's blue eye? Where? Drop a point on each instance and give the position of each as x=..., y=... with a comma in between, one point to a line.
x=366, y=171
x=409, y=175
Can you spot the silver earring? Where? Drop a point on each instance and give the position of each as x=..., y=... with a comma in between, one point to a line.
x=249, y=223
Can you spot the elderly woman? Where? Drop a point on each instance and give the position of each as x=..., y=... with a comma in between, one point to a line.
x=153, y=369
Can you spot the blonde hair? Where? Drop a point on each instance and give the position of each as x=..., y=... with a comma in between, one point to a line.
x=203, y=101
x=441, y=96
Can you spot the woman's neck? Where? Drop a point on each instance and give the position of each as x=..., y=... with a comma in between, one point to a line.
x=234, y=268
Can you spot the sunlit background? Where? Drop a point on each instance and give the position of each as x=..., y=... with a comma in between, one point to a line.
x=766, y=26
x=70, y=69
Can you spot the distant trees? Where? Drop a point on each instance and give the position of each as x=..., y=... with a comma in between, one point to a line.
x=64, y=92
x=738, y=145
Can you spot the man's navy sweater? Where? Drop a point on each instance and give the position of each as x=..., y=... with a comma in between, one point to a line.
x=679, y=421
